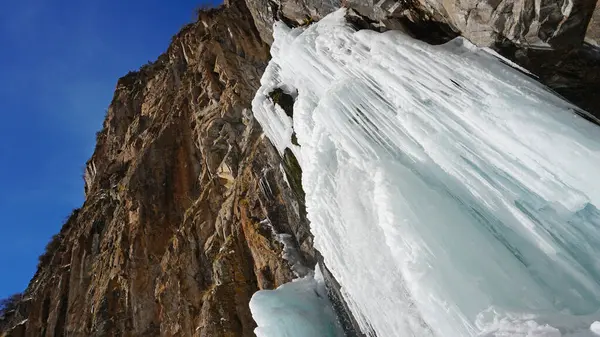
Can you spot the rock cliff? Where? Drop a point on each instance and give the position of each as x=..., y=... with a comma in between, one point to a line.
x=175, y=234
x=187, y=202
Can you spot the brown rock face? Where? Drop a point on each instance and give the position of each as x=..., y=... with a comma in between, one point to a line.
x=181, y=192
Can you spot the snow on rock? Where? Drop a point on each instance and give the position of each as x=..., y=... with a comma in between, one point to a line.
x=450, y=194
x=296, y=309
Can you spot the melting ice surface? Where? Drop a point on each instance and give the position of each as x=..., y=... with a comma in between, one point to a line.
x=449, y=194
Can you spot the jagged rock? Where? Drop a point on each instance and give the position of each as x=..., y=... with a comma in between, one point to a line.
x=557, y=23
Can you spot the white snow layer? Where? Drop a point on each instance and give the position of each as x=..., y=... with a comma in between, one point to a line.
x=449, y=194
x=296, y=309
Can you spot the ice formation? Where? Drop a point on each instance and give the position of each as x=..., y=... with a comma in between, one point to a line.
x=297, y=309
x=450, y=194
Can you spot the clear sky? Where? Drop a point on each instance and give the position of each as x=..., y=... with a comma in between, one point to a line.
x=59, y=63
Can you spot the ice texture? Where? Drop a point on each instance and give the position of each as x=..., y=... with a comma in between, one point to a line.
x=449, y=193
x=299, y=308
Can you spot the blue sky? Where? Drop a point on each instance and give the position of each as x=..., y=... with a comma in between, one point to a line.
x=59, y=63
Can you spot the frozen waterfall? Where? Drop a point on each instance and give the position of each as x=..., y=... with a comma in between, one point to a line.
x=449, y=193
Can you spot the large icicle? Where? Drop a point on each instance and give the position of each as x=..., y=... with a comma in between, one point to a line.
x=296, y=309
x=449, y=194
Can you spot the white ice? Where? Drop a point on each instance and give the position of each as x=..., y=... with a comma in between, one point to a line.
x=450, y=194
x=296, y=309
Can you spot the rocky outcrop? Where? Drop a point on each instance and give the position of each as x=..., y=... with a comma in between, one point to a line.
x=184, y=199
x=558, y=23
